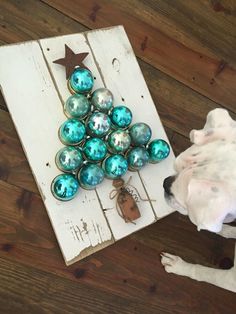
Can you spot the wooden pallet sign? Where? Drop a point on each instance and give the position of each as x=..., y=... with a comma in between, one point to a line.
x=35, y=90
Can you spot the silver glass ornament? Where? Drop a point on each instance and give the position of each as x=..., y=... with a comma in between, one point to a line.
x=69, y=159
x=102, y=99
x=140, y=134
x=137, y=158
x=77, y=106
x=118, y=141
x=98, y=124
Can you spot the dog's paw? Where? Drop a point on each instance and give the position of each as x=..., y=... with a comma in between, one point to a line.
x=172, y=264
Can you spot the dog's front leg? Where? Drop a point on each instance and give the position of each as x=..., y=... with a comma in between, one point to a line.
x=222, y=278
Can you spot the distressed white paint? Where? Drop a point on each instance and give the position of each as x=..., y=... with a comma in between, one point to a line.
x=34, y=101
x=37, y=114
x=53, y=48
x=122, y=75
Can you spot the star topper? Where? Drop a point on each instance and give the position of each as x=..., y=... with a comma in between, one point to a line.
x=71, y=60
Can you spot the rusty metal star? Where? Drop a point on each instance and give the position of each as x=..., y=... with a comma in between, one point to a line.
x=71, y=60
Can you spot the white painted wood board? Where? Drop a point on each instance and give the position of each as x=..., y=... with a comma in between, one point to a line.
x=89, y=222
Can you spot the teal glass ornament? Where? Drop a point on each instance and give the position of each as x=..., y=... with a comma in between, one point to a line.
x=118, y=141
x=90, y=175
x=121, y=117
x=95, y=149
x=158, y=150
x=137, y=158
x=102, y=99
x=81, y=81
x=72, y=132
x=140, y=134
x=115, y=166
x=64, y=187
x=98, y=124
x=77, y=106
x=69, y=159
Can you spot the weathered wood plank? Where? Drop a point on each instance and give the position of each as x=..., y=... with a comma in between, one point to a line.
x=53, y=49
x=2, y=103
x=24, y=20
x=208, y=75
x=180, y=108
x=148, y=284
x=206, y=26
x=122, y=75
x=14, y=167
x=164, y=94
x=17, y=281
x=80, y=223
x=26, y=239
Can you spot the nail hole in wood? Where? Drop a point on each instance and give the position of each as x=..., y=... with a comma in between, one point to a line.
x=94, y=78
x=125, y=281
x=47, y=164
x=200, y=57
x=48, y=49
x=142, y=96
x=122, y=99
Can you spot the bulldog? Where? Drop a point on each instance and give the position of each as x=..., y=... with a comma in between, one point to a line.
x=204, y=188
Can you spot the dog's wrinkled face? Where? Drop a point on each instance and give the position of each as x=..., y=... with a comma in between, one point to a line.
x=204, y=187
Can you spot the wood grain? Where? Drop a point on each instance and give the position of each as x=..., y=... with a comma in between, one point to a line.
x=14, y=167
x=24, y=20
x=76, y=230
x=113, y=274
x=26, y=238
x=210, y=76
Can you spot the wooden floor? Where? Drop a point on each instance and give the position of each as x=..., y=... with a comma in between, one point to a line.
x=186, y=50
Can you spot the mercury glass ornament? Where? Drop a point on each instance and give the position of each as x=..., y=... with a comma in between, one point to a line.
x=77, y=106
x=72, y=132
x=121, y=116
x=90, y=175
x=64, y=187
x=158, y=150
x=118, y=141
x=81, y=81
x=102, y=99
x=95, y=149
x=140, y=134
x=69, y=159
x=137, y=158
x=115, y=166
x=98, y=124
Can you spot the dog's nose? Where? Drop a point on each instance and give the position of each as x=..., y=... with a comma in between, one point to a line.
x=167, y=184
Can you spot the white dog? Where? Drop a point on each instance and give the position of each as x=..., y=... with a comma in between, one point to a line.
x=204, y=188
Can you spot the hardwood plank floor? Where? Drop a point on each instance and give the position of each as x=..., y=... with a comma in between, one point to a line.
x=211, y=76
x=126, y=277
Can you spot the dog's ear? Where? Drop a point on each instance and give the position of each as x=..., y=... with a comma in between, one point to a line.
x=218, y=121
x=207, y=204
x=218, y=118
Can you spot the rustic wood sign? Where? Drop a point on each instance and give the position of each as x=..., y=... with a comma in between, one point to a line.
x=35, y=90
